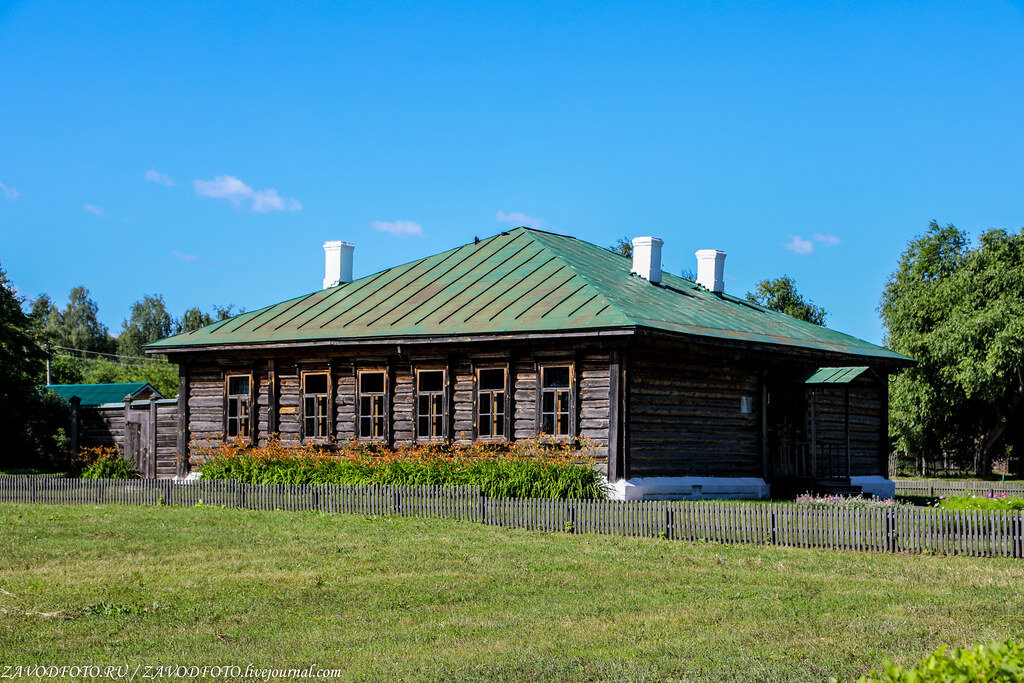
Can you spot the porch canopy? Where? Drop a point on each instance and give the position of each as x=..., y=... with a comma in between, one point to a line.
x=843, y=375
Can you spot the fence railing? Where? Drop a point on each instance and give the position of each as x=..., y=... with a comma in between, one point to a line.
x=898, y=529
x=927, y=487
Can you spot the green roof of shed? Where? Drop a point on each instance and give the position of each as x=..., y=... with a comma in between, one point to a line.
x=520, y=281
x=98, y=394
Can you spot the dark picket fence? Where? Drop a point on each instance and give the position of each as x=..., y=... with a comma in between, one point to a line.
x=897, y=529
x=961, y=487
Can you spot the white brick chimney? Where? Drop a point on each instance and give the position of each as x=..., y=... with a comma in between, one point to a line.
x=711, y=270
x=337, y=262
x=647, y=258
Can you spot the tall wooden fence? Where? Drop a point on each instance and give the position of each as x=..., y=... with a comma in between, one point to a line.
x=900, y=529
x=959, y=487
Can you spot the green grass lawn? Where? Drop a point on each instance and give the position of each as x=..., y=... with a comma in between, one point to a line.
x=392, y=598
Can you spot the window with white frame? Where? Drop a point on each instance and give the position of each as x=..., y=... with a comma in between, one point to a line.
x=490, y=402
x=556, y=401
x=238, y=401
x=430, y=402
x=316, y=403
x=372, y=391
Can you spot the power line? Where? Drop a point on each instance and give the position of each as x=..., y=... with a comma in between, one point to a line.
x=109, y=355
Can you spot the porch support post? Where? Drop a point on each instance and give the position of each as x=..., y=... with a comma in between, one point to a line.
x=846, y=423
x=814, y=434
x=883, y=428
x=763, y=440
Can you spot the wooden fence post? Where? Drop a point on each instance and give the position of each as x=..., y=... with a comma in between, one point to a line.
x=775, y=533
x=483, y=508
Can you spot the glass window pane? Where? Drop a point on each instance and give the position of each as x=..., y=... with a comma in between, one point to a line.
x=499, y=425
x=371, y=382
x=430, y=380
x=557, y=377
x=563, y=425
x=316, y=384
x=492, y=379
x=485, y=425
x=499, y=403
x=548, y=402
x=485, y=404
x=547, y=424
x=364, y=426
x=238, y=386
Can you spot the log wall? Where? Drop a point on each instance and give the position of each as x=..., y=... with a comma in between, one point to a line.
x=684, y=415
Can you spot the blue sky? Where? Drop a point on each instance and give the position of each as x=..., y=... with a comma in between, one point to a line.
x=204, y=151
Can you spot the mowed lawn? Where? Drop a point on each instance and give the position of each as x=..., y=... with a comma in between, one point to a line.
x=392, y=598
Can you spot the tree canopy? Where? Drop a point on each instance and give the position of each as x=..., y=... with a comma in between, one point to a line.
x=958, y=310
x=623, y=247
x=29, y=417
x=781, y=295
x=149, y=322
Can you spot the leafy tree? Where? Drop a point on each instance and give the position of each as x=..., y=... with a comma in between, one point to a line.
x=623, y=247
x=29, y=417
x=76, y=326
x=191, y=320
x=959, y=311
x=781, y=295
x=149, y=322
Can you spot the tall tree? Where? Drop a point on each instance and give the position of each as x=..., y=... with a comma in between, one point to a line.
x=781, y=295
x=149, y=322
x=76, y=326
x=959, y=311
x=191, y=320
x=29, y=418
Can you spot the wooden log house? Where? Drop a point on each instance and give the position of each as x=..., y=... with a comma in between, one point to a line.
x=687, y=390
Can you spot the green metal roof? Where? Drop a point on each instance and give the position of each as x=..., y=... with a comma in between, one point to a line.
x=97, y=394
x=521, y=281
x=833, y=375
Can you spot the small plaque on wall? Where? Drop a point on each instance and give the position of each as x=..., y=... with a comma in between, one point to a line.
x=287, y=410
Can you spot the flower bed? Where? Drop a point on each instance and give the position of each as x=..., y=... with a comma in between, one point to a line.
x=529, y=468
x=847, y=501
x=100, y=462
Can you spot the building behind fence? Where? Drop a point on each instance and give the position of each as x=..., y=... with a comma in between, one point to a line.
x=882, y=529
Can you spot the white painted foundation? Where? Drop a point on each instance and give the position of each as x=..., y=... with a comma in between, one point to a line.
x=687, y=488
x=877, y=485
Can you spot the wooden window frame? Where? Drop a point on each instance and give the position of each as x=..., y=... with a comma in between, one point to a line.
x=383, y=438
x=573, y=400
x=506, y=389
x=445, y=404
x=329, y=417
x=249, y=405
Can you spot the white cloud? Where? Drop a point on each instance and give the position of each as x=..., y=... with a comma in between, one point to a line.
x=155, y=176
x=10, y=194
x=828, y=239
x=518, y=218
x=399, y=228
x=799, y=246
x=187, y=258
x=94, y=210
x=239, y=194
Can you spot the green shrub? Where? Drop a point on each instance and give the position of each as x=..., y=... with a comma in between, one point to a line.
x=995, y=501
x=101, y=463
x=995, y=662
x=533, y=468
